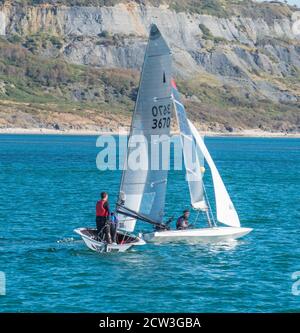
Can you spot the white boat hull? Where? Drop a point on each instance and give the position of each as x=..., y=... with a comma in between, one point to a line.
x=201, y=235
x=91, y=241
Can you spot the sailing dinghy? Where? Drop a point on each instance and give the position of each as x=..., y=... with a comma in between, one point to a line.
x=125, y=241
x=142, y=191
x=226, y=213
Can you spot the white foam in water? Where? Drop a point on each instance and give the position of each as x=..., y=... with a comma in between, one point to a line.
x=66, y=240
x=2, y=284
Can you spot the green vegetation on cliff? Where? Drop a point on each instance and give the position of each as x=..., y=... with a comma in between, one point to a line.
x=31, y=78
x=34, y=84
x=47, y=89
x=219, y=8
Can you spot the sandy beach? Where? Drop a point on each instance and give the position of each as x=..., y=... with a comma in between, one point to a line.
x=47, y=131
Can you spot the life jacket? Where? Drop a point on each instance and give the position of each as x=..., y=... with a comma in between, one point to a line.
x=181, y=223
x=114, y=219
x=100, y=209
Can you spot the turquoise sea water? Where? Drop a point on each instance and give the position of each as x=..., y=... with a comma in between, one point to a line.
x=49, y=185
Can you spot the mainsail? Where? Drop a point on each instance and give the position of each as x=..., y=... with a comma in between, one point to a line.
x=226, y=212
x=142, y=190
x=190, y=156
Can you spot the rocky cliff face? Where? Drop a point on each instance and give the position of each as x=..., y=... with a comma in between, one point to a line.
x=245, y=60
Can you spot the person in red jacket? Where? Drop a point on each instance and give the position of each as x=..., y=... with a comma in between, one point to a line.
x=102, y=218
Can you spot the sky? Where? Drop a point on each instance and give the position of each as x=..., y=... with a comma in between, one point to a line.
x=292, y=2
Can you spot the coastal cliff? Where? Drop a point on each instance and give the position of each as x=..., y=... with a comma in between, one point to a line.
x=237, y=63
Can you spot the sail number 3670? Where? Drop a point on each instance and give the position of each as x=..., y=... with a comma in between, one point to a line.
x=161, y=116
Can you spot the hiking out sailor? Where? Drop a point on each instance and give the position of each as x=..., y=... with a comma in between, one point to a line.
x=183, y=221
x=113, y=226
x=102, y=218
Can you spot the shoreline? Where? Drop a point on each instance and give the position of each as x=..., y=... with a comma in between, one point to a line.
x=45, y=131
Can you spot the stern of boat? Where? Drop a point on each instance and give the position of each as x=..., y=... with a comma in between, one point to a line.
x=91, y=241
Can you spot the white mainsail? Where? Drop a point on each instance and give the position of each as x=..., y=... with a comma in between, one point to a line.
x=191, y=158
x=226, y=212
x=142, y=190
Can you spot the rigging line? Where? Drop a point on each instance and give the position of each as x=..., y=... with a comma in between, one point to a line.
x=177, y=102
x=124, y=235
x=125, y=232
x=196, y=220
x=131, y=213
x=209, y=206
x=147, y=183
x=123, y=238
x=188, y=137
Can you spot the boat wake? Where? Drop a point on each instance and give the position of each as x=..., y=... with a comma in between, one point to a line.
x=67, y=240
x=224, y=245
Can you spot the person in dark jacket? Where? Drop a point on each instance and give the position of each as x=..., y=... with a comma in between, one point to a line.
x=102, y=218
x=183, y=221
